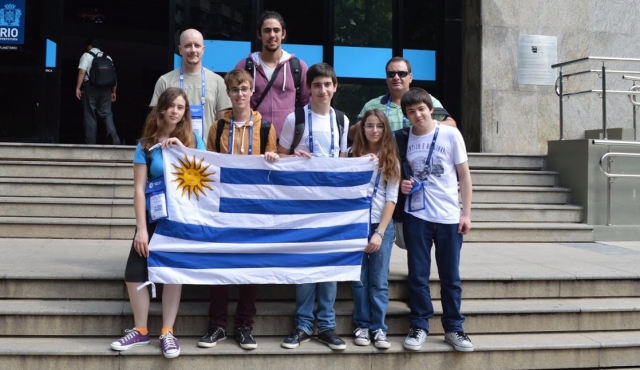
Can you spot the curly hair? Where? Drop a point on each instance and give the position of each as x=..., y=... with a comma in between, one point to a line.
x=154, y=125
x=389, y=163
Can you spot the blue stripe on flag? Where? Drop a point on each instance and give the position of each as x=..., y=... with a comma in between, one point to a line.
x=251, y=260
x=293, y=178
x=203, y=233
x=290, y=207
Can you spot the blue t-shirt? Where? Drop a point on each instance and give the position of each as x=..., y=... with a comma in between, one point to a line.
x=157, y=166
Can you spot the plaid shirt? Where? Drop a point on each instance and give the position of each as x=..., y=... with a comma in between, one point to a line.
x=395, y=112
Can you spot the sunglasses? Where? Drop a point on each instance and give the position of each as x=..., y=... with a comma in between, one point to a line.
x=401, y=74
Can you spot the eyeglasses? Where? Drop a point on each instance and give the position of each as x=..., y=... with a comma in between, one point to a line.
x=371, y=127
x=401, y=74
x=237, y=90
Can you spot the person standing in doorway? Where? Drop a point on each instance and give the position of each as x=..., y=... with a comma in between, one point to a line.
x=96, y=100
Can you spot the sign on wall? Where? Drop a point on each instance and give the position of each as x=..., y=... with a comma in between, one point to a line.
x=536, y=54
x=12, y=17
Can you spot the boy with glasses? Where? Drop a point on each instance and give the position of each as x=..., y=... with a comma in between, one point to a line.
x=240, y=131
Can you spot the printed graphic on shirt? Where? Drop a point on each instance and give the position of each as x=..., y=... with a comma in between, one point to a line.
x=421, y=168
x=321, y=144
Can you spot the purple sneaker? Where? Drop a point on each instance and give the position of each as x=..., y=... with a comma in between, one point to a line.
x=133, y=338
x=170, y=346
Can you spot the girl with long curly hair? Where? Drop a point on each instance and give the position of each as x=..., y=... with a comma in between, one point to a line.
x=168, y=124
x=371, y=293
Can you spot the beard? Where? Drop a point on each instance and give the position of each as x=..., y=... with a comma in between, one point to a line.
x=270, y=49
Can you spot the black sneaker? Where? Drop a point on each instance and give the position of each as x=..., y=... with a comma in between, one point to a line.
x=245, y=339
x=330, y=338
x=294, y=339
x=214, y=335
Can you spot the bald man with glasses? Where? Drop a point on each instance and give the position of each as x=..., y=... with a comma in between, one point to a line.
x=399, y=77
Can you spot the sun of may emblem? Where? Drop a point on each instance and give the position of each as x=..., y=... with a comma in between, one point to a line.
x=192, y=177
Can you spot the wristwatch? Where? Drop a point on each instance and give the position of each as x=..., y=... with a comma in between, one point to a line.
x=379, y=233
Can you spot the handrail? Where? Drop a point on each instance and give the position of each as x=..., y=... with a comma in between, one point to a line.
x=559, y=88
x=584, y=59
x=608, y=156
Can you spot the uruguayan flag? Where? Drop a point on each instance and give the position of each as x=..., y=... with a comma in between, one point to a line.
x=239, y=219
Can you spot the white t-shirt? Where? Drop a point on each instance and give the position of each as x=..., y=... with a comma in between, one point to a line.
x=440, y=180
x=321, y=134
x=268, y=71
x=387, y=192
x=86, y=60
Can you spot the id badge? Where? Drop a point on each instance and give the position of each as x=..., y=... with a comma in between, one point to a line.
x=155, y=192
x=418, y=201
x=197, y=121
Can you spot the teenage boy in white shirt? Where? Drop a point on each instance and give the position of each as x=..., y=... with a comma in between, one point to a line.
x=319, y=139
x=438, y=160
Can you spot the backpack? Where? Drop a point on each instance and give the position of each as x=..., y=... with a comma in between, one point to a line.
x=402, y=139
x=265, y=128
x=296, y=71
x=301, y=123
x=102, y=72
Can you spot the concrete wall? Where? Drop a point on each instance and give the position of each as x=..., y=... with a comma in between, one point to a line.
x=504, y=116
x=578, y=164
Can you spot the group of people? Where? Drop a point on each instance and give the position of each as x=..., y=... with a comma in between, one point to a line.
x=272, y=104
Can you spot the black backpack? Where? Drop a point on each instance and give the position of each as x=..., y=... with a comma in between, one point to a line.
x=296, y=71
x=265, y=127
x=301, y=122
x=402, y=139
x=102, y=72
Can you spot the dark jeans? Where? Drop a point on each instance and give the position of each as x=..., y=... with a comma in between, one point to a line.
x=96, y=101
x=419, y=235
x=245, y=310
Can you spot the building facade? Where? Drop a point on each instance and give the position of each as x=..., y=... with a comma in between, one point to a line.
x=357, y=37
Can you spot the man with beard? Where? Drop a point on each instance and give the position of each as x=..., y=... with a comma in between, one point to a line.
x=206, y=90
x=274, y=71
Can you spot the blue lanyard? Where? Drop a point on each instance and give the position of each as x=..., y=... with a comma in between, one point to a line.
x=418, y=185
x=203, y=98
x=375, y=191
x=404, y=119
x=332, y=149
x=232, y=129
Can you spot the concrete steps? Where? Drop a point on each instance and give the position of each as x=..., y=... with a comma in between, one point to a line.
x=490, y=316
x=527, y=306
x=514, y=351
x=529, y=232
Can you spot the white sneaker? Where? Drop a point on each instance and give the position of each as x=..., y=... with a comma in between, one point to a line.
x=362, y=337
x=415, y=339
x=459, y=340
x=380, y=339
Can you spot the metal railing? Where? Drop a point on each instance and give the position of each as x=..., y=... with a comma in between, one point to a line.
x=609, y=157
x=632, y=92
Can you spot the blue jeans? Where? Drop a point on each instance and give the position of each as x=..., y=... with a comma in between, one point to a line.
x=419, y=235
x=371, y=293
x=305, y=296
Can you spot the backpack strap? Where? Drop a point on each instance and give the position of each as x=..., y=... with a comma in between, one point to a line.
x=265, y=129
x=301, y=122
x=296, y=71
x=219, y=128
x=299, y=128
x=402, y=139
x=249, y=66
x=340, y=122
